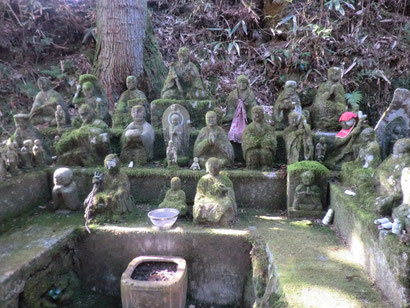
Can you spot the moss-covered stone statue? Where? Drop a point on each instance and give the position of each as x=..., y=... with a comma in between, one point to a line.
x=403, y=211
x=3, y=158
x=212, y=141
x=65, y=193
x=87, y=145
x=307, y=194
x=137, y=140
x=175, y=197
x=183, y=80
x=287, y=101
x=26, y=154
x=258, y=142
x=329, y=102
x=24, y=129
x=12, y=158
x=298, y=139
x=215, y=198
x=321, y=150
x=113, y=197
x=129, y=98
x=45, y=105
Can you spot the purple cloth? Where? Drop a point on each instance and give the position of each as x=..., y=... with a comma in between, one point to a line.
x=238, y=123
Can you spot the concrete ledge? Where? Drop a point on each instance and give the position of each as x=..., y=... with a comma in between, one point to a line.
x=385, y=259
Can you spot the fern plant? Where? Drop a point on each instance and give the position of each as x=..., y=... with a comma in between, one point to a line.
x=354, y=99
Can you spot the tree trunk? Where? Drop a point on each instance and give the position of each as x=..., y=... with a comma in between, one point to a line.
x=121, y=32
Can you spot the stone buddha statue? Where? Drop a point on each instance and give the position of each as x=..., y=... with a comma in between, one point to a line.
x=212, y=141
x=288, y=101
x=98, y=104
x=65, y=193
x=307, y=194
x=175, y=197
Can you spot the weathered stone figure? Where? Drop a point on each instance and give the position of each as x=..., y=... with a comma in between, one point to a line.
x=172, y=156
x=212, y=141
x=403, y=211
x=183, y=80
x=60, y=117
x=12, y=160
x=215, y=198
x=45, y=104
x=298, y=139
x=137, y=141
x=176, y=127
x=132, y=92
x=38, y=153
x=175, y=197
x=369, y=150
x=329, y=102
x=24, y=129
x=258, y=142
x=98, y=104
x=307, y=194
x=320, y=150
x=287, y=102
x=65, y=194
x=195, y=165
x=26, y=154
x=3, y=158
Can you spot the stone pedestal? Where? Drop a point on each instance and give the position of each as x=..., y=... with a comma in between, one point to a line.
x=154, y=294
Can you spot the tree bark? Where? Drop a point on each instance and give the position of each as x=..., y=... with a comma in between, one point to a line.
x=121, y=33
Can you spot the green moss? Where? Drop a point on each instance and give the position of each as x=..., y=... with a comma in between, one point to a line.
x=308, y=165
x=72, y=139
x=87, y=78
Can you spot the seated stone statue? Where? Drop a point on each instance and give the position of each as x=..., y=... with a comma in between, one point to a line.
x=307, y=194
x=98, y=104
x=329, y=102
x=24, y=130
x=175, y=197
x=45, y=104
x=258, y=142
x=26, y=154
x=238, y=108
x=65, y=193
x=215, y=198
x=38, y=153
x=212, y=141
x=137, y=140
x=369, y=155
x=12, y=158
x=113, y=196
x=129, y=98
x=403, y=211
x=298, y=139
x=183, y=80
x=321, y=150
x=288, y=101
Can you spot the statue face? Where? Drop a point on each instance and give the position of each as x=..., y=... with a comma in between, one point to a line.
x=131, y=83
x=111, y=163
x=63, y=177
x=257, y=115
x=43, y=84
x=86, y=116
x=333, y=74
x=307, y=178
x=175, y=184
x=211, y=119
x=138, y=114
x=175, y=120
x=21, y=123
x=212, y=166
x=290, y=88
x=348, y=124
x=183, y=58
x=242, y=84
x=294, y=120
x=88, y=92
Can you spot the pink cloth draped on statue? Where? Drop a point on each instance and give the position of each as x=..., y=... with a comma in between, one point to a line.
x=344, y=133
x=239, y=122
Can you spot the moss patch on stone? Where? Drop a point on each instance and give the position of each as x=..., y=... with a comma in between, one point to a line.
x=308, y=165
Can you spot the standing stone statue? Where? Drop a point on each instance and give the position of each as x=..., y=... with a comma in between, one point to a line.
x=176, y=127
x=369, y=149
x=258, y=142
x=60, y=117
x=172, y=156
x=26, y=154
x=98, y=104
x=38, y=153
x=329, y=102
x=320, y=150
x=12, y=160
x=45, y=104
x=195, y=165
x=215, y=198
x=175, y=197
x=403, y=211
x=288, y=101
x=212, y=141
x=307, y=194
x=298, y=139
x=128, y=99
x=137, y=141
x=238, y=108
x=65, y=194
x=183, y=80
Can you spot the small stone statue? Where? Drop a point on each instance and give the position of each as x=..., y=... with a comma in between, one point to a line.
x=238, y=108
x=396, y=134
x=99, y=105
x=402, y=212
x=45, y=104
x=195, y=165
x=175, y=197
x=288, y=101
x=307, y=194
x=138, y=139
x=183, y=80
x=369, y=152
x=12, y=160
x=258, y=142
x=329, y=102
x=176, y=127
x=298, y=139
x=65, y=194
x=215, y=198
x=172, y=157
x=26, y=154
x=24, y=129
x=60, y=117
x=212, y=141
x=320, y=150
x=38, y=153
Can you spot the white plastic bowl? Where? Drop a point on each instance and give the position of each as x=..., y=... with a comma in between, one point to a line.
x=163, y=218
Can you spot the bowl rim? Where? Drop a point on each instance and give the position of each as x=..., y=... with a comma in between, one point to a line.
x=174, y=211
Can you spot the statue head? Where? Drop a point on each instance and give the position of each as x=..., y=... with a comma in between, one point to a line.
x=63, y=176
x=401, y=147
x=294, y=119
x=334, y=74
x=170, y=144
x=290, y=86
x=212, y=166
x=59, y=108
x=88, y=89
x=211, y=118
x=348, y=119
x=44, y=84
x=242, y=82
x=138, y=113
x=28, y=143
x=37, y=142
x=22, y=121
x=367, y=135
x=175, y=119
x=196, y=160
x=322, y=140
x=112, y=163
x=397, y=129
x=183, y=55
x=257, y=114
x=307, y=177
x=131, y=82
x=175, y=183
x=86, y=113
